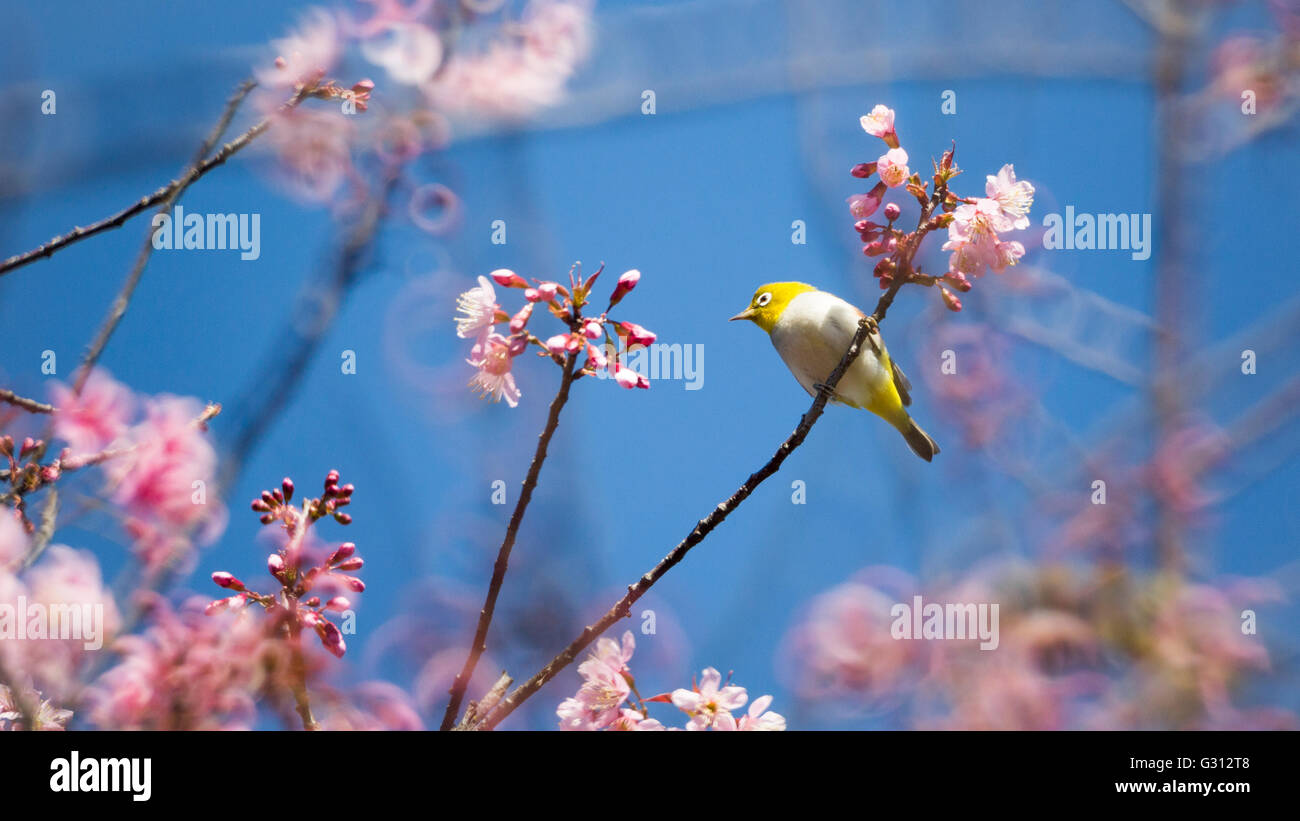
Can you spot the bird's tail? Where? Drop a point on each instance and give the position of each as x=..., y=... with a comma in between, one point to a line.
x=919, y=441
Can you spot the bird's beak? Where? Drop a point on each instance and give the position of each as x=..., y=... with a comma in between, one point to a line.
x=748, y=313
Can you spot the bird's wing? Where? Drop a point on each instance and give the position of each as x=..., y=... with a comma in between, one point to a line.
x=901, y=383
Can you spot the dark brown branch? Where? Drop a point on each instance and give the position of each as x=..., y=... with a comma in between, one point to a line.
x=479, y=644
x=165, y=194
x=26, y=404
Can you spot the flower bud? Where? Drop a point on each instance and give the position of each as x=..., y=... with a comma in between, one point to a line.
x=275, y=564
x=863, y=170
x=342, y=552
x=287, y=487
x=519, y=320
x=636, y=334
x=950, y=299
x=353, y=563
x=507, y=278
x=625, y=283
x=892, y=211
x=226, y=580
x=338, y=604
x=354, y=584
x=558, y=344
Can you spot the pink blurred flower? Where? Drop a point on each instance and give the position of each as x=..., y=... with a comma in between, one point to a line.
x=492, y=356
x=862, y=206
x=710, y=703
x=304, y=56
x=14, y=543
x=409, y=52
x=91, y=421
x=169, y=461
x=187, y=671
x=313, y=152
x=516, y=77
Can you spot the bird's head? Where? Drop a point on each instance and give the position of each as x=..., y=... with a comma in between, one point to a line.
x=770, y=301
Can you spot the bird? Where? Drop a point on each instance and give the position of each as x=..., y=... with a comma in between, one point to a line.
x=811, y=330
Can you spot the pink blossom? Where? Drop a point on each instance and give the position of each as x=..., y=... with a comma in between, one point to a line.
x=479, y=306
x=892, y=167
x=1013, y=197
x=46, y=716
x=494, y=380
x=759, y=718
x=559, y=344
x=91, y=421
x=605, y=687
x=625, y=284
x=710, y=702
x=880, y=123
x=631, y=720
x=973, y=238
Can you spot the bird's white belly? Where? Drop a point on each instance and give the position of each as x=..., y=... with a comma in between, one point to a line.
x=812, y=335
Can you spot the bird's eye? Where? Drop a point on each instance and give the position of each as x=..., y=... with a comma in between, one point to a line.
x=763, y=299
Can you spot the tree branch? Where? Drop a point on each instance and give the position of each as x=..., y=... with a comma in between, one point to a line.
x=23, y=402
x=479, y=645
x=168, y=192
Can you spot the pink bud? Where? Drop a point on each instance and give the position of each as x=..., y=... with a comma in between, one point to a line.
x=625, y=283
x=29, y=445
x=863, y=170
x=637, y=334
x=950, y=299
x=508, y=278
x=342, y=552
x=597, y=356
x=548, y=290
x=892, y=211
x=226, y=580
x=314, y=601
x=354, y=563
x=354, y=584
x=626, y=377
x=287, y=487
x=343, y=518
x=558, y=344
x=275, y=563
x=519, y=320
x=338, y=604
x=592, y=329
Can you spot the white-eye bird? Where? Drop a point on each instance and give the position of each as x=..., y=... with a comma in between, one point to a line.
x=811, y=330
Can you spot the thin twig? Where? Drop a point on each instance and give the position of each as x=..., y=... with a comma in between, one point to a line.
x=479, y=644
x=23, y=402
x=118, y=309
x=198, y=168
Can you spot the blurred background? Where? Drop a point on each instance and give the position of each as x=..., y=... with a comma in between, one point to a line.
x=1072, y=367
